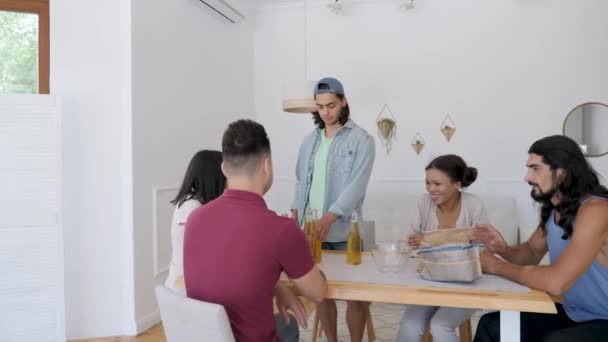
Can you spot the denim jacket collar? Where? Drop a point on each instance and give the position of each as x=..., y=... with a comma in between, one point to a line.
x=348, y=124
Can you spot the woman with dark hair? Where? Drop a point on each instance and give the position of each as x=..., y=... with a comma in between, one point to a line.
x=445, y=206
x=203, y=182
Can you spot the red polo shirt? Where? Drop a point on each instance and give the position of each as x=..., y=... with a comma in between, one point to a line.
x=235, y=248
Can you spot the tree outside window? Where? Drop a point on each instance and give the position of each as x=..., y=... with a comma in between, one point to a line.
x=18, y=53
x=24, y=47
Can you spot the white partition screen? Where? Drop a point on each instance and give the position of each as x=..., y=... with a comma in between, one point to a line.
x=31, y=241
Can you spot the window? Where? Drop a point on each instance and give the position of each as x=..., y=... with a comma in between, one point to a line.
x=24, y=46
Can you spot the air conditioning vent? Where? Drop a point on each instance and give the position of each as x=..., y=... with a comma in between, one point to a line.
x=225, y=9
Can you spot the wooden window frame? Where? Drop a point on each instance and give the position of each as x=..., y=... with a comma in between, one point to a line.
x=41, y=8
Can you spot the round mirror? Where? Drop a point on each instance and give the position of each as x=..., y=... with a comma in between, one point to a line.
x=587, y=124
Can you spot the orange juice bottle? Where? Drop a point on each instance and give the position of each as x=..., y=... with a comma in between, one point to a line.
x=353, y=250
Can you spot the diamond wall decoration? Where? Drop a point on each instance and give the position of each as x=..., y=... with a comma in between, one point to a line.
x=448, y=127
x=418, y=143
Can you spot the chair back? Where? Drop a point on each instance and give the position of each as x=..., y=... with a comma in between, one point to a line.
x=188, y=320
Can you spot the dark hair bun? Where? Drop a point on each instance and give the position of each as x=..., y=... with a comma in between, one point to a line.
x=455, y=168
x=469, y=176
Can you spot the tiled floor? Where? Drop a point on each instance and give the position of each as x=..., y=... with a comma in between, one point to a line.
x=386, y=319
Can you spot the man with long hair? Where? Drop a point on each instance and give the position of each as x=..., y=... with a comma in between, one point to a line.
x=573, y=228
x=333, y=169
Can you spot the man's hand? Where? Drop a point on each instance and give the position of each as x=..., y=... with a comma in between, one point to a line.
x=287, y=299
x=489, y=262
x=491, y=238
x=324, y=224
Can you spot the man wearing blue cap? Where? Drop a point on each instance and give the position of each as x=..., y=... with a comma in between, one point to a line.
x=333, y=169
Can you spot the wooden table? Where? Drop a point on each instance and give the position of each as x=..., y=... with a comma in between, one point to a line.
x=510, y=304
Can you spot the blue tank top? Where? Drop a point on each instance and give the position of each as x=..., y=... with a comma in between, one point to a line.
x=587, y=299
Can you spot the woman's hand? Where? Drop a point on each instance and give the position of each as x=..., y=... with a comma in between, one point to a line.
x=414, y=240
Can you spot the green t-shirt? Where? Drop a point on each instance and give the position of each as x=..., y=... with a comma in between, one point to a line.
x=316, y=196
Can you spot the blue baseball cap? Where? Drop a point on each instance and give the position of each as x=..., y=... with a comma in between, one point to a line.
x=329, y=85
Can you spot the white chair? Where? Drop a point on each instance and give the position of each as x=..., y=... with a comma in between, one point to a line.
x=188, y=320
x=502, y=212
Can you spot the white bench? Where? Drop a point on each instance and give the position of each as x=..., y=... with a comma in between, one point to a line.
x=387, y=214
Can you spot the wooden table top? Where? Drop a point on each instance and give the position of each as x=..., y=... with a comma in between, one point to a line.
x=532, y=301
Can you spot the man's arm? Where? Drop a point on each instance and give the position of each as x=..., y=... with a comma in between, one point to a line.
x=530, y=252
x=527, y=253
x=296, y=193
x=590, y=232
x=286, y=299
x=312, y=285
x=324, y=224
x=293, y=253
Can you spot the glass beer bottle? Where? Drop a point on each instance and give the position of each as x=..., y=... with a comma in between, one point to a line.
x=353, y=251
x=309, y=229
x=316, y=240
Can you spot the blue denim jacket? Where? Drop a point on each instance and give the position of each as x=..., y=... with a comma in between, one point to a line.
x=349, y=166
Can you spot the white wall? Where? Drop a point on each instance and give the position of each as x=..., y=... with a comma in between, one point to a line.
x=507, y=72
x=192, y=75
x=90, y=71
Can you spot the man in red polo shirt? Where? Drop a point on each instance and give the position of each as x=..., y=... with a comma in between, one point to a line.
x=235, y=248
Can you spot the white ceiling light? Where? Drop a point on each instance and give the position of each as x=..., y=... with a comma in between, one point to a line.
x=298, y=97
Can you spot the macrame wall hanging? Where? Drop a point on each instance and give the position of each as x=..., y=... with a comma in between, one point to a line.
x=418, y=143
x=387, y=127
x=448, y=127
